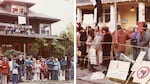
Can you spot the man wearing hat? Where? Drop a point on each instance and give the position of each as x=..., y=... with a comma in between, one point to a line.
x=145, y=40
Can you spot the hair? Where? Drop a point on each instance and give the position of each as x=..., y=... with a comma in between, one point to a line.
x=145, y=25
x=118, y=27
x=105, y=28
x=91, y=33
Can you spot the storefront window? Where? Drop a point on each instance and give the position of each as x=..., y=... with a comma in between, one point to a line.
x=147, y=12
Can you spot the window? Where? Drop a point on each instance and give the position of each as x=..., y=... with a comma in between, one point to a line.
x=45, y=29
x=147, y=14
x=18, y=9
x=107, y=15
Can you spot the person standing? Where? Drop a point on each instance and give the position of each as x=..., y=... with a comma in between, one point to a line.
x=136, y=38
x=50, y=66
x=145, y=40
x=122, y=36
x=56, y=68
x=5, y=70
x=106, y=46
x=37, y=70
x=89, y=42
x=15, y=72
x=20, y=62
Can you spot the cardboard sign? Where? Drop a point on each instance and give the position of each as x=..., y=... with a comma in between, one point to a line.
x=138, y=61
x=92, y=56
x=97, y=75
x=21, y=20
x=118, y=69
x=142, y=74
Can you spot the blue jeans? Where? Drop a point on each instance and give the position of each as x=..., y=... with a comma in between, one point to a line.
x=20, y=73
x=136, y=52
x=55, y=74
x=14, y=78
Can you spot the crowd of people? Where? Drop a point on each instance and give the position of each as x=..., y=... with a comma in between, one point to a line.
x=111, y=44
x=18, y=30
x=23, y=68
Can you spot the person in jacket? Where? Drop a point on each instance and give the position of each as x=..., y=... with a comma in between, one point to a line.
x=136, y=35
x=63, y=64
x=28, y=65
x=5, y=70
x=145, y=40
x=43, y=69
x=50, y=66
x=15, y=72
x=56, y=68
x=106, y=46
x=20, y=61
x=122, y=36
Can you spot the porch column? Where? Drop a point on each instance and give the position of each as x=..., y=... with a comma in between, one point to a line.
x=141, y=14
x=24, y=49
x=95, y=15
x=79, y=15
x=50, y=30
x=113, y=17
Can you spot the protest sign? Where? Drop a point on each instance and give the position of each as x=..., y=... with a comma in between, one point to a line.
x=118, y=69
x=142, y=74
x=138, y=61
x=21, y=20
x=92, y=56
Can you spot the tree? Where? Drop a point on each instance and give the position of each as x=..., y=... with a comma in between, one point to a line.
x=68, y=42
x=55, y=47
x=12, y=53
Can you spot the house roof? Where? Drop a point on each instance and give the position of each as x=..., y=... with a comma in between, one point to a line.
x=31, y=14
x=88, y=2
x=21, y=2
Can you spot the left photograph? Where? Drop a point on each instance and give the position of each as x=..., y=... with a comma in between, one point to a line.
x=36, y=42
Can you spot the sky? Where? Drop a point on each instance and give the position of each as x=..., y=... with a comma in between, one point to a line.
x=61, y=9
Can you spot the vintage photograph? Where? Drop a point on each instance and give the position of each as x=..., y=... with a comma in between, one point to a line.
x=112, y=41
x=36, y=41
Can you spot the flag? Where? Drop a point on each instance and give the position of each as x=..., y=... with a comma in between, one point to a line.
x=99, y=10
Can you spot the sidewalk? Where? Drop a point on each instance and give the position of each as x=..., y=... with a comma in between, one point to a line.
x=85, y=75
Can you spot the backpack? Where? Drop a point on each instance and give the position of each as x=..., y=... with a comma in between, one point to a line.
x=134, y=41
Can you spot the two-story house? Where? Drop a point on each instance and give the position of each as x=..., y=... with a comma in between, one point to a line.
x=19, y=26
x=127, y=13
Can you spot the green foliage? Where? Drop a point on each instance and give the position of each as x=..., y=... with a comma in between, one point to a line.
x=54, y=47
x=12, y=53
x=68, y=42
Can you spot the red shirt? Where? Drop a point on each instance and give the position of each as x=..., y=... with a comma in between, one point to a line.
x=5, y=67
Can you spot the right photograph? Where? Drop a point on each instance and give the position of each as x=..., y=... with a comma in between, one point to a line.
x=112, y=41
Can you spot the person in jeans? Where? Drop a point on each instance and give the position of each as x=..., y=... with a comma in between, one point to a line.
x=20, y=62
x=50, y=66
x=28, y=64
x=63, y=64
x=15, y=73
x=136, y=34
x=56, y=69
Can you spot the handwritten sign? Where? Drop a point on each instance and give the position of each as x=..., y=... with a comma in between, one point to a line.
x=21, y=20
x=138, y=61
x=118, y=69
x=92, y=56
x=142, y=74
